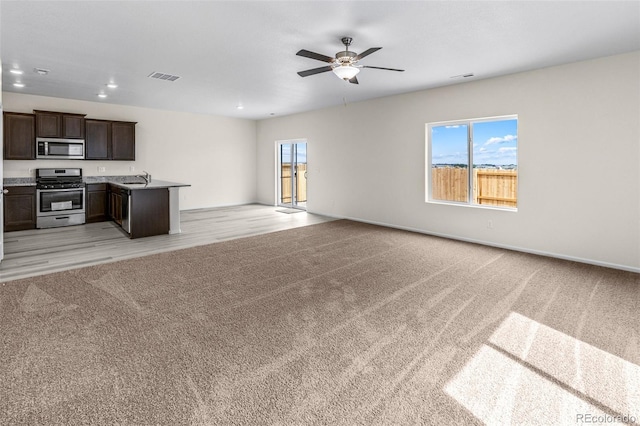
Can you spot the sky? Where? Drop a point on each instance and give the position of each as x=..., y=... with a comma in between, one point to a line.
x=286, y=152
x=494, y=142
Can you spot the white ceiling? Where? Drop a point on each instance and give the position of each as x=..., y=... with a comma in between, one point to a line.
x=231, y=53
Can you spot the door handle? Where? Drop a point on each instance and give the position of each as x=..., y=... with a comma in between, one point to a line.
x=5, y=191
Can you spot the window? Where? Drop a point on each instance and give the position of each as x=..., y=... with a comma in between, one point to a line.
x=473, y=162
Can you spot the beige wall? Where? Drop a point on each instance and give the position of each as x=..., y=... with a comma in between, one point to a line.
x=579, y=160
x=216, y=155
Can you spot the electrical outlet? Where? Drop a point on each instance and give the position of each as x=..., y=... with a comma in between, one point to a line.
x=132, y=168
x=489, y=224
x=102, y=169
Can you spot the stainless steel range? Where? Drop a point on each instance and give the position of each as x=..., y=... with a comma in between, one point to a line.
x=59, y=197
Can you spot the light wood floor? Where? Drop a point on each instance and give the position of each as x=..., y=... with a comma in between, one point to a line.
x=42, y=251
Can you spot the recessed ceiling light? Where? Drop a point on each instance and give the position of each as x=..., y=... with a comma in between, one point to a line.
x=239, y=107
x=18, y=84
x=102, y=95
x=15, y=71
x=111, y=85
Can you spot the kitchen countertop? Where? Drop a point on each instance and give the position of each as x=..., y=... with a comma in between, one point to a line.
x=22, y=181
x=154, y=184
x=127, y=182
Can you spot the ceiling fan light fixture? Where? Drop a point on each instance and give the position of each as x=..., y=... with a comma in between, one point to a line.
x=346, y=72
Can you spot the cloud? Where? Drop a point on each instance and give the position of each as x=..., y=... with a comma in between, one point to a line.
x=504, y=139
x=452, y=127
x=496, y=155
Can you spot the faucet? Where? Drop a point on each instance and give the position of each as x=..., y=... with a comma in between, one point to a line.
x=146, y=176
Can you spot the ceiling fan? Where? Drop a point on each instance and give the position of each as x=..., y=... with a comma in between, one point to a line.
x=344, y=65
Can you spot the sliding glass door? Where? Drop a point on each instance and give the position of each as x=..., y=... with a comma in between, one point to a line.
x=292, y=174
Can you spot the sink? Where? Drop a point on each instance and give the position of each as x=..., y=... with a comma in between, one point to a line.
x=133, y=183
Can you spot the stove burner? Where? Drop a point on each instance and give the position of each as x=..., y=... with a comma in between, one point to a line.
x=59, y=185
x=59, y=178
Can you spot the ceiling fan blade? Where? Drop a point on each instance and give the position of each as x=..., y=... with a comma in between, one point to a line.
x=353, y=80
x=366, y=53
x=316, y=56
x=313, y=71
x=380, y=68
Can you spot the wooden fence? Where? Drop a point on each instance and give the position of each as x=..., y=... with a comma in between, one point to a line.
x=449, y=183
x=493, y=187
x=301, y=183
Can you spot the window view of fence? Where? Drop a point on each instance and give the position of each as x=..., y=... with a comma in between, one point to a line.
x=477, y=156
x=300, y=184
x=491, y=187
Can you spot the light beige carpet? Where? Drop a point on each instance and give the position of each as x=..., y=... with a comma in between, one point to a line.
x=336, y=323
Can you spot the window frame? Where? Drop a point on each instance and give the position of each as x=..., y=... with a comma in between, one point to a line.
x=429, y=165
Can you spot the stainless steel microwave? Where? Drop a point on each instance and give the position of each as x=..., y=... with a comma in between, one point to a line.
x=63, y=149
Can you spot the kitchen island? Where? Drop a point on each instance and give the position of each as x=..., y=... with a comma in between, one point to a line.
x=140, y=208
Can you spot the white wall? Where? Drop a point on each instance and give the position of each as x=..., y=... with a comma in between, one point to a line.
x=215, y=155
x=579, y=160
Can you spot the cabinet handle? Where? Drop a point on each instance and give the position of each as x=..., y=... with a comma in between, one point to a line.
x=5, y=191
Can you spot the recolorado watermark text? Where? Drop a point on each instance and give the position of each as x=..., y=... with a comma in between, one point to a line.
x=605, y=418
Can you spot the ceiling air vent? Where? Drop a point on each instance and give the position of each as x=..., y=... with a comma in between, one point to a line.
x=163, y=76
x=467, y=75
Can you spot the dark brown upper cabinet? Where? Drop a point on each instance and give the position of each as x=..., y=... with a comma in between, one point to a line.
x=51, y=124
x=123, y=140
x=73, y=126
x=19, y=136
x=48, y=124
x=98, y=139
x=110, y=140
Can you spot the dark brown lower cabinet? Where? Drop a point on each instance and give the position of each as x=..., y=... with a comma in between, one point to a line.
x=20, y=208
x=149, y=208
x=115, y=204
x=149, y=212
x=97, y=208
